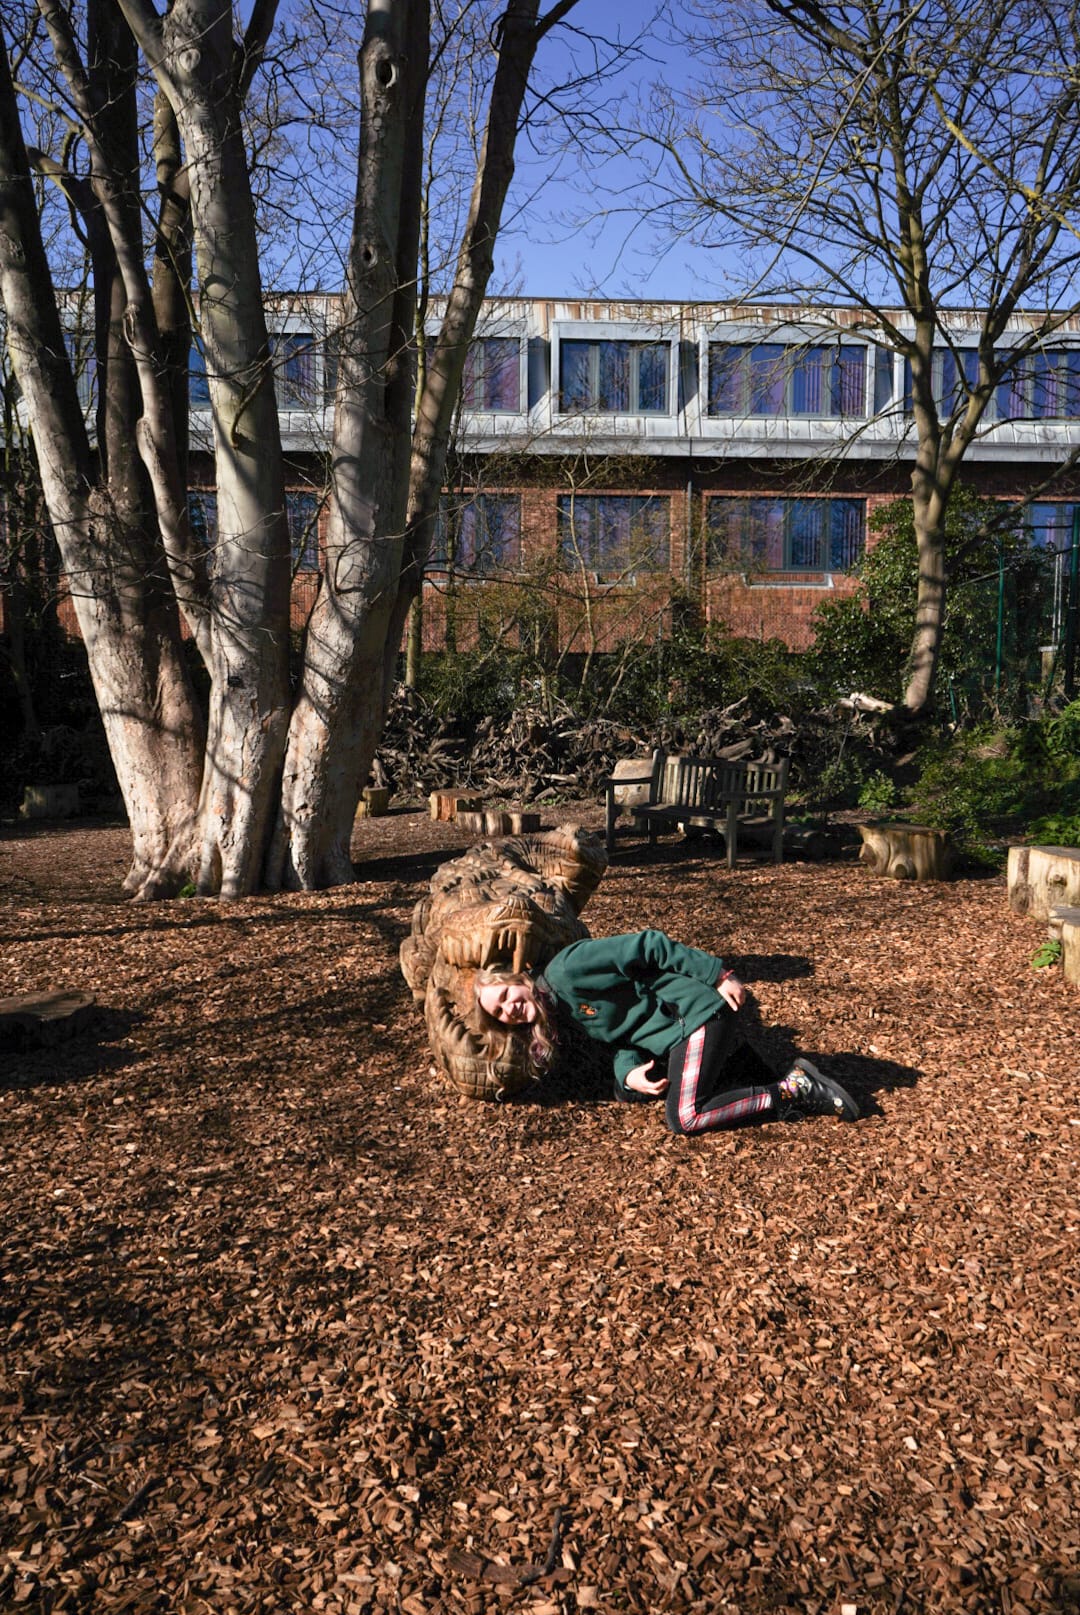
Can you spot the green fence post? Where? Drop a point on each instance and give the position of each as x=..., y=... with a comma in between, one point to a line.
x=1000, y=647
x=1071, y=607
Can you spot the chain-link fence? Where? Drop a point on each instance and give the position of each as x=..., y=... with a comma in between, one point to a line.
x=1019, y=619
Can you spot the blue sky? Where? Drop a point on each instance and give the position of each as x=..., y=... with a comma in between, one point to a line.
x=581, y=231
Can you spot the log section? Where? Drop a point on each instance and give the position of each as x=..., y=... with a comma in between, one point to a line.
x=906, y=851
x=1041, y=878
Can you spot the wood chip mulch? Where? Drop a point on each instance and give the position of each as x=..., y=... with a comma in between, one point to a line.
x=286, y=1327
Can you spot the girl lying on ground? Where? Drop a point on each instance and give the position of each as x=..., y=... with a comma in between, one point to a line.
x=650, y=999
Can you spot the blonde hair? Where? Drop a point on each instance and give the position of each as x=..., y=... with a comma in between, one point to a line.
x=540, y=1032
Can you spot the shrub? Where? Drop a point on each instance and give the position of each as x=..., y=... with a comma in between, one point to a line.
x=987, y=782
x=878, y=793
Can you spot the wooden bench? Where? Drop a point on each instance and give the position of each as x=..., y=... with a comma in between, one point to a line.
x=701, y=792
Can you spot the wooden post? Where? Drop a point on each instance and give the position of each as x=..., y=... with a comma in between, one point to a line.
x=1065, y=925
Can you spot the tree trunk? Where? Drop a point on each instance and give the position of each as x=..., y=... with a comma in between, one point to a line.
x=248, y=655
x=131, y=639
x=340, y=710
x=519, y=38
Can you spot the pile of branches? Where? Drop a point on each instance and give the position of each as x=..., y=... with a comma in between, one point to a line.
x=539, y=754
x=536, y=755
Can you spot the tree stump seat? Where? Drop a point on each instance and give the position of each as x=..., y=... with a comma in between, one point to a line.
x=444, y=806
x=1043, y=878
x=906, y=851
x=46, y=1017
x=499, y=822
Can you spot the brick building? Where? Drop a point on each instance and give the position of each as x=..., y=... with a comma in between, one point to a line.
x=622, y=462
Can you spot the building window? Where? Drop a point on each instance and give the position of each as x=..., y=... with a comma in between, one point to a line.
x=479, y=534
x=83, y=360
x=614, y=378
x=203, y=516
x=492, y=378
x=953, y=375
x=1044, y=386
x=198, y=385
x=614, y=535
x=292, y=354
x=774, y=379
x=302, y=514
x=1041, y=386
x=785, y=535
x=1051, y=525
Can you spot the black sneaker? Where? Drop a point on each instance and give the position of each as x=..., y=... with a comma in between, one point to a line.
x=818, y=1095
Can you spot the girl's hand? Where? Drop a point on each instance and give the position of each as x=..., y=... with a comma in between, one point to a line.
x=638, y=1079
x=732, y=991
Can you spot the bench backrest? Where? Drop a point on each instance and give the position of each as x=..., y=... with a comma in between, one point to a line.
x=713, y=782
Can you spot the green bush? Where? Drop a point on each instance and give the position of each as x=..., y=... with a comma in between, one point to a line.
x=1063, y=732
x=988, y=782
x=878, y=793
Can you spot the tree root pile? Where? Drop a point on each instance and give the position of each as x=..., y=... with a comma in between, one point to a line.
x=536, y=756
x=286, y=1326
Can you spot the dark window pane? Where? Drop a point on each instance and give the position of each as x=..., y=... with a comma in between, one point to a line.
x=767, y=377
x=809, y=382
x=849, y=381
x=728, y=371
x=847, y=525
x=198, y=386
x=653, y=378
x=797, y=535
x=302, y=513
x=576, y=391
x=1050, y=525
x=478, y=533
x=1070, y=385
x=613, y=535
x=805, y=526
x=331, y=362
x=203, y=516
x=83, y=361
x=492, y=377
x=490, y=534
x=612, y=378
x=293, y=356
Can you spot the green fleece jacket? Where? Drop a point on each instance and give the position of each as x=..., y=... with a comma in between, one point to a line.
x=640, y=993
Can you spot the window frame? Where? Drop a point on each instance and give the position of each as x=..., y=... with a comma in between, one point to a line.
x=789, y=366
x=307, y=398
x=786, y=510
x=305, y=545
x=462, y=502
x=596, y=564
x=637, y=350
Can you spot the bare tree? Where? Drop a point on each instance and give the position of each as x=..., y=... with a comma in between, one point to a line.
x=912, y=157
x=110, y=546
x=272, y=793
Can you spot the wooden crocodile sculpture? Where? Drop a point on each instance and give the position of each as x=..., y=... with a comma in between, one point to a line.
x=510, y=902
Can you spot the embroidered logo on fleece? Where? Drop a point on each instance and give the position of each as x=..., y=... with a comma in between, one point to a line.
x=587, y=1010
